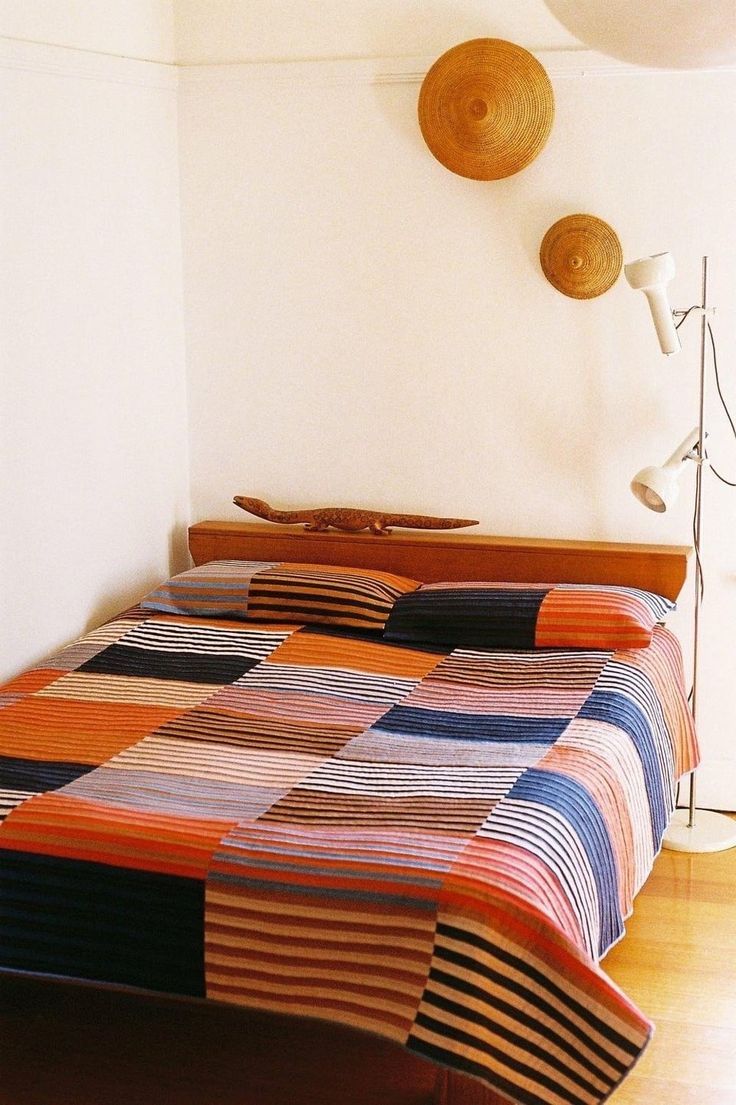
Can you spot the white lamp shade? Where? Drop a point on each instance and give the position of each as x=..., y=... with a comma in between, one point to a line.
x=657, y=487
x=648, y=272
x=669, y=34
x=651, y=275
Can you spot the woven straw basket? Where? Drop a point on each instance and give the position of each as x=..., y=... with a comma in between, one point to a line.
x=581, y=256
x=486, y=108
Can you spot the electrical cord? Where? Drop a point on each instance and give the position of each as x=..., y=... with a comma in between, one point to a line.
x=696, y=543
x=704, y=456
x=686, y=314
x=724, y=404
x=716, y=473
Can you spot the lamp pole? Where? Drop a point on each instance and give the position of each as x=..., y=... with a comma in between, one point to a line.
x=700, y=457
x=694, y=830
x=689, y=830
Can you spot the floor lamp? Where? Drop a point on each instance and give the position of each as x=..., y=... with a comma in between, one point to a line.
x=691, y=829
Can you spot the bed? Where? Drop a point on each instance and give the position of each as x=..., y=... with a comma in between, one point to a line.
x=303, y=791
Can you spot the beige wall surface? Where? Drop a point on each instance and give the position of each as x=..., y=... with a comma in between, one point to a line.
x=128, y=28
x=365, y=327
x=362, y=326
x=93, y=450
x=246, y=30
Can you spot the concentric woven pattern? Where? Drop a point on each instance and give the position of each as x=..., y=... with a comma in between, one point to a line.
x=581, y=256
x=486, y=108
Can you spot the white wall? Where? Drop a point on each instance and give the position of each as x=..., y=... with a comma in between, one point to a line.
x=364, y=327
x=127, y=28
x=93, y=451
x=246, y=30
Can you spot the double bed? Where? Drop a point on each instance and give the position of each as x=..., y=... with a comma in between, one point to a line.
x=379, y=812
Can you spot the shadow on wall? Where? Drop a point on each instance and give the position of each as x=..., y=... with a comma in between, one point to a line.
x=111, y=602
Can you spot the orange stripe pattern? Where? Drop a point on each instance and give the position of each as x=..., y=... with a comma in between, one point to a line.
x=523, y=616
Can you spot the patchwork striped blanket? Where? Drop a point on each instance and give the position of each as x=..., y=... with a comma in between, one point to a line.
x=433, y=845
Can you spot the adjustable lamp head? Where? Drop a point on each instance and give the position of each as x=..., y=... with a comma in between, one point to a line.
x=657, y=488
x=651, y=275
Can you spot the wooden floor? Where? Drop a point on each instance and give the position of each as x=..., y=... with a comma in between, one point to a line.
x=678, y=963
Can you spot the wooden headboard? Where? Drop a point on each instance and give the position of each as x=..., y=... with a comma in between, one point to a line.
x=435, y=556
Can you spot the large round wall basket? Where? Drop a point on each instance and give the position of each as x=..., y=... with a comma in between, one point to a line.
x=486, y=108
x=581, y=256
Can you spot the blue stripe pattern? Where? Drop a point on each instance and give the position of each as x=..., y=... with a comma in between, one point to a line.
x=444, y=724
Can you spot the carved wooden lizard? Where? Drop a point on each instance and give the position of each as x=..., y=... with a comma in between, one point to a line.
x=348, y=518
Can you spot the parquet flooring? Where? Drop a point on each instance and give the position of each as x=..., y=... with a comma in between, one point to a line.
x=678, y=963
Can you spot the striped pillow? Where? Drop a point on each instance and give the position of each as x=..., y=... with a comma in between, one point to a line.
x=304, y=593
x=356, y=597
x=527, y=615
x=215, y=590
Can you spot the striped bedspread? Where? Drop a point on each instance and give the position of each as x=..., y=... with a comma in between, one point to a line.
x=437, y=846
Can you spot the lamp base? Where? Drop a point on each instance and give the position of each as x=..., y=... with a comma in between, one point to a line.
x=710, y=832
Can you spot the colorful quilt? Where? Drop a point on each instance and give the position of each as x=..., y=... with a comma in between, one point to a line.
x=434, y=845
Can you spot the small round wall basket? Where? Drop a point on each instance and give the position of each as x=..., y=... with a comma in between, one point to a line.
x=486, y=108
x=581, y=256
